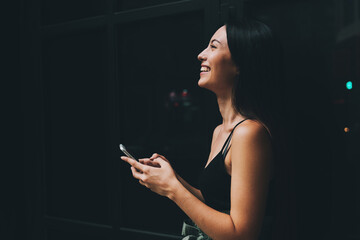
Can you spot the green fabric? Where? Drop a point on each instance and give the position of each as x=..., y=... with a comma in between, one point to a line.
x=190, y=231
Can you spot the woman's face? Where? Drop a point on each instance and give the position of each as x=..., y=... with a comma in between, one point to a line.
x=218, y=71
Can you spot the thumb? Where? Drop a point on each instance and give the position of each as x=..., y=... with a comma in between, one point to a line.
x=160, y=161
x=155, y=155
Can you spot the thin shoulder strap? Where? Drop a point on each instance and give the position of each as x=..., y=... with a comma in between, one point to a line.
x=226, y=145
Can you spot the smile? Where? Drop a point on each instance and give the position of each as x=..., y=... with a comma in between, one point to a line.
x=204, y=69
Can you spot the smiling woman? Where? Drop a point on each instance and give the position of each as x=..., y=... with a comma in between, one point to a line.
x=235, y=191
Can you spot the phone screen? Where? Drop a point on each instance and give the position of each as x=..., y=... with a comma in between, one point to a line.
x=123, y=149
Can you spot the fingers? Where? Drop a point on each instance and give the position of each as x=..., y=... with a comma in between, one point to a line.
x=135, y=173
x=144, y=169
x=144, y=160
x=128, y=160
x=160, y=161
x=147, y=161
x=144, y=184
x=156, y=155
x=141, y=177
x=140, y=167
x=138, y=175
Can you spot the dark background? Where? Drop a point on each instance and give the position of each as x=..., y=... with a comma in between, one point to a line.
x=83, y=76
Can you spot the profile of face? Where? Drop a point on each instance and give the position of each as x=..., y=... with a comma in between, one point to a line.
x=218, y=71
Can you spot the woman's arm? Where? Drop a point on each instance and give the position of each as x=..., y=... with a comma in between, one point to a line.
x=162, y=180
x=251, y=159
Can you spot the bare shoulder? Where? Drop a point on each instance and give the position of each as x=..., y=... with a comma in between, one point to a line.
x=251, y=131
x=251, y=148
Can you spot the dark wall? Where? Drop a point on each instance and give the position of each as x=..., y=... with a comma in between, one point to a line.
x=88, y=75
x=13, y=204
x=320, y=55
x=103, y=73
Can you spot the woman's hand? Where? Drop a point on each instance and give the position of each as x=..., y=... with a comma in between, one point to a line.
x=150, y=161
x=154, y=173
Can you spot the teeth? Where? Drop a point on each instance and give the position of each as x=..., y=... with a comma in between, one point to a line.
x=204, y=69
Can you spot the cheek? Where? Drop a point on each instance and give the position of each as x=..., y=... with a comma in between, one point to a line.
x=227, y=70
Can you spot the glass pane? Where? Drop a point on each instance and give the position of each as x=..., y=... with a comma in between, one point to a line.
x=349, y=12
x=163, y=110
x=56, y=234
x=74, y=82
x=56, y=11
x=130, y=4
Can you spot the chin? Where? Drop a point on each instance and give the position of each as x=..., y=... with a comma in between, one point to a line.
x=204, y=80
x=203, y=83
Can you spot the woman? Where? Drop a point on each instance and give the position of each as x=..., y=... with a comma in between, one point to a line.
x=238, y=66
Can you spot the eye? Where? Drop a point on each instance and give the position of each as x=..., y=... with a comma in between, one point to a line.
x=213, y=46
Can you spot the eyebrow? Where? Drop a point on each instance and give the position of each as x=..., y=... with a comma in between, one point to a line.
x=215, y=40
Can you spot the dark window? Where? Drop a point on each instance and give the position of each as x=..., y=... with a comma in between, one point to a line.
x=74, y=81
x=130, y=4
x=56, y=11
x=349, y=12
x=56, y=234
x=160, y=110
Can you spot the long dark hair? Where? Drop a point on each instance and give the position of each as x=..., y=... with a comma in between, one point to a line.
x=257, y=54
x=257, y=94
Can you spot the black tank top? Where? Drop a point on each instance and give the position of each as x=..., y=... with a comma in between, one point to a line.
x=215, y=182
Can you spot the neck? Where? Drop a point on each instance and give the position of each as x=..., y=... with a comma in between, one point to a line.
x=229, y=115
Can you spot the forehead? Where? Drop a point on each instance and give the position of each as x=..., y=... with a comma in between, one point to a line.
x=220, y=35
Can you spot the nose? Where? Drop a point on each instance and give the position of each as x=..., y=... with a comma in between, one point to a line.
x=201, y=56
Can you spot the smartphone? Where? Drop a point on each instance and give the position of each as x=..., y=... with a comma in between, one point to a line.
x=123, y=149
